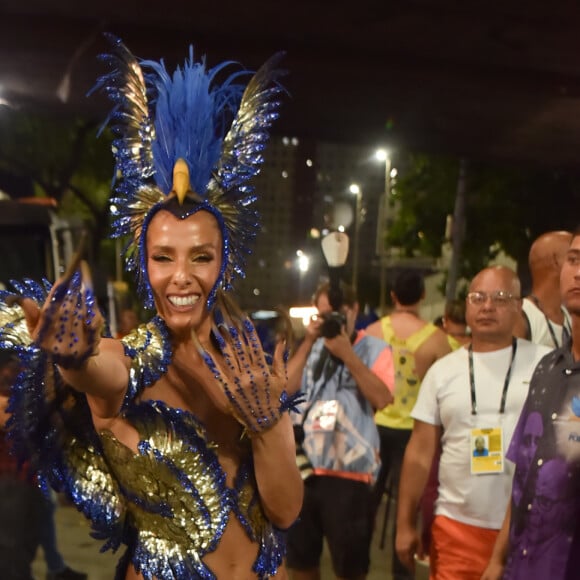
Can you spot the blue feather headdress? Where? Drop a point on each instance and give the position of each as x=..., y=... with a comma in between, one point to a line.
x=218, y=129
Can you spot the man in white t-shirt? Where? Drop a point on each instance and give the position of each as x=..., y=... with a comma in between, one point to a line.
x=544, y=320
x=475, y=392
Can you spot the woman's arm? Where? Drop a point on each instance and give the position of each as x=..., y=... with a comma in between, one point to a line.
x=239, y=382
x=104, y=378
x=279, y=482
x=4, y=415
x=68, y=328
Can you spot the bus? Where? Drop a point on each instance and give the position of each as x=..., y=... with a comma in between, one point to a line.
x=34, y=242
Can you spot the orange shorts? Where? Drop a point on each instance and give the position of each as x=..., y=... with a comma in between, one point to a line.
x=459, y=551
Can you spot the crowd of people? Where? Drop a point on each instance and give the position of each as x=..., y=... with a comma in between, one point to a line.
x=179, y=437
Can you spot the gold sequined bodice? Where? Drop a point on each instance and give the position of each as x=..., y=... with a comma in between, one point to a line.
x=176, y=492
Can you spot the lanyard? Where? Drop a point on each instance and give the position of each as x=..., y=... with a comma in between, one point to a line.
x=552, y=333
x=565, y=330
x=505, y=384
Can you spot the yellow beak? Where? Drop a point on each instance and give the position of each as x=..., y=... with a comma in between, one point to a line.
x=181, y=183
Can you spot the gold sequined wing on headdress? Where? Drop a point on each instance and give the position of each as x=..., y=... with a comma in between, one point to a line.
x=134, y=132
x=242, y=157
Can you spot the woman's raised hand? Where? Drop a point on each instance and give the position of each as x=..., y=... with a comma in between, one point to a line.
x=68, y=326
x=251, y=390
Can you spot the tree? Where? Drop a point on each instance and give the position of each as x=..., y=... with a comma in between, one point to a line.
x=64, y=160
x=506, y=208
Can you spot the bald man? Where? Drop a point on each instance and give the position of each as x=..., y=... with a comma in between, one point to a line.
x=540, y=538
x=476, y=391
x=544, y=320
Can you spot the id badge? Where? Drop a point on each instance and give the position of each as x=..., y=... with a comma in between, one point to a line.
x=486, y=454
x=323, y=415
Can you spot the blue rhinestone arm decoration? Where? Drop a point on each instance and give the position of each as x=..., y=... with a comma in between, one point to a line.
x=291, y=402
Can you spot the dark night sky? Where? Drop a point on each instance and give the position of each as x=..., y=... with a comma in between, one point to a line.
x=488, y=80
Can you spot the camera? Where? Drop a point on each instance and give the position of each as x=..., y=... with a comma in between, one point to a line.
x=332, y=323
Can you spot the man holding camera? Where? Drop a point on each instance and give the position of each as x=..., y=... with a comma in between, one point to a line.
x=345, y=376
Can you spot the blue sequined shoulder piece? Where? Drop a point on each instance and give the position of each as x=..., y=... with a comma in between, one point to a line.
x=149, y=349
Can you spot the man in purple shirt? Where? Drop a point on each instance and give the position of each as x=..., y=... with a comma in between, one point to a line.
x=540, y=537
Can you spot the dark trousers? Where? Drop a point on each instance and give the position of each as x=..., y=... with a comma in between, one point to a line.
x=335, y=509
x=20, y=505
x=393, y=444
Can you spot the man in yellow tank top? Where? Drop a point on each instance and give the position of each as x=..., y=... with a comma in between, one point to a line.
x=416, y=345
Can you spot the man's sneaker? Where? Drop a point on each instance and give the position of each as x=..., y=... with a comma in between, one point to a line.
x=66, y=574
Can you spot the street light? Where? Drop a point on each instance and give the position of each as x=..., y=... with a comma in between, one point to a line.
x=356, y=190
x=303, y=261
x=303, y=266
x=381, y=250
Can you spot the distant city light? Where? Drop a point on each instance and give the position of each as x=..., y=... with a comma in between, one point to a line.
x=256, y=291
x=264, y=314
x=303, y=263
x=284, y=174
x=325, y=232
x=299, y=253
x=341, y=229
x=315, y=233
x=3, y=101
x=295, y=141
x=394, y=172
x=309, y=162
x=304, y=312
x=285, y=141
x=354, y=188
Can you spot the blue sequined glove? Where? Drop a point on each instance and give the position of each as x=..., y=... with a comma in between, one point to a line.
x=256, y=392
x=69, y=328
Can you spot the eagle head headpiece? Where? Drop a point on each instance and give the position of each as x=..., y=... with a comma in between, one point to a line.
x=191, y=142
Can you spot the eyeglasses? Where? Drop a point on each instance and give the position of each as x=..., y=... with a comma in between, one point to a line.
x=498, y=298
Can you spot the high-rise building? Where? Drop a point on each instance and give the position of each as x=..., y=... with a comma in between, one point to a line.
x=304, y=192
x=284, y=204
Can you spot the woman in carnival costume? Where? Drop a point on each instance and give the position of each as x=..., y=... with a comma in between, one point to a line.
x=175, y=440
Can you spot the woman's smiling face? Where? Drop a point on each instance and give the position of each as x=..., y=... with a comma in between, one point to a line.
x=183, y=264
